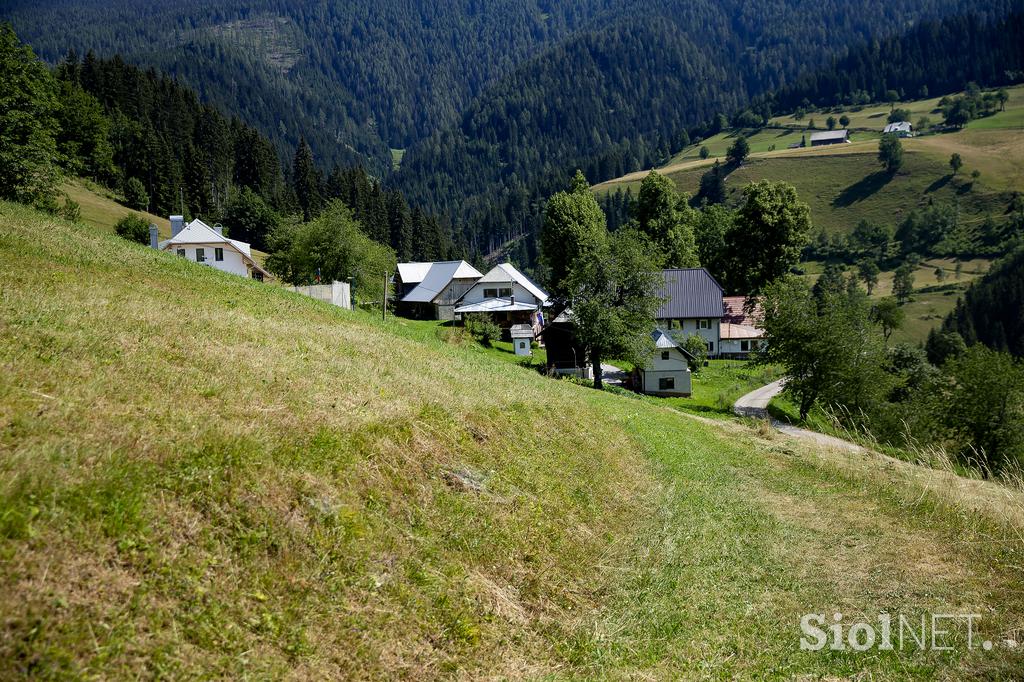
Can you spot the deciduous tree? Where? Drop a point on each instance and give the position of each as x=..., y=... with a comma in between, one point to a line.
x=770, y=230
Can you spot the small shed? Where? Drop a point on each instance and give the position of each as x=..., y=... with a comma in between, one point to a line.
x=667, y=373
x=522, y=337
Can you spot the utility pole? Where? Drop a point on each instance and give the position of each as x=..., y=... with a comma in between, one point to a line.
x=384, y=300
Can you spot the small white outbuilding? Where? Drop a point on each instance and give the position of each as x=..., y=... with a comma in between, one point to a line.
x=667, y=373
x=522, y=337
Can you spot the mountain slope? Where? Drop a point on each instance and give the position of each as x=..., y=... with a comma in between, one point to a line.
x=612, y=99
x=361, y=77
x=358, y=76
x=203, y=476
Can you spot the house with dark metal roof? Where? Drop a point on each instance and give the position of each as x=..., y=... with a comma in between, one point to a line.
x=693, y=304
x=431, y=290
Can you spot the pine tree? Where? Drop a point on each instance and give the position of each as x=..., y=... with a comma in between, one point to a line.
x=306, y=181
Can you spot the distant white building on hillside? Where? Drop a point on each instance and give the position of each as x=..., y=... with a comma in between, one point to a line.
x=900, y=129
x=208, y=246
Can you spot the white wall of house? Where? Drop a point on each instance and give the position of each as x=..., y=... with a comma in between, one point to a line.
x=480, y=290
x=739, y=346
x=232, y=262
x=708, y=328
x=667, y=372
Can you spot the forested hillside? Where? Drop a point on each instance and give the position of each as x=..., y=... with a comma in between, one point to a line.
x=354, y=78
x=617, y=99
x=991, y=310
x=359, y=77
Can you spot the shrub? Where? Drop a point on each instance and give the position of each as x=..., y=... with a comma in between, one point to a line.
x=133, y=228
x=71, y=210
x=135, y=195
x=483, y=328
x=698, y=348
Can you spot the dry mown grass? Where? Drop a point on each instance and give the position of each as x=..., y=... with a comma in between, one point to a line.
x=202, y=476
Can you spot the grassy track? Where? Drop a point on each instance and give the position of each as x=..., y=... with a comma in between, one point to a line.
x=201, y=476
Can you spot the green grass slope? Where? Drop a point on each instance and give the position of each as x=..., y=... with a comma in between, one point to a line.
x=202, y=476
x=844, y=184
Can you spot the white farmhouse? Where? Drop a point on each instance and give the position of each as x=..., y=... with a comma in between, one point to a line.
x=208, y=246
x=667, y=373
x=693, y=305
x=508, y=296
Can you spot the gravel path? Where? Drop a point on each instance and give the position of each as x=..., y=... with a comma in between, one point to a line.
x=755, y=405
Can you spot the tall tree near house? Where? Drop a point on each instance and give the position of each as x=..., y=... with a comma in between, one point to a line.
x=249, y=218
x=614, y=300
x=713, y=223
x=28, y=126
x=831, y=352
x=306, y=181
x=609, y=280
x=332, y=246
x=667, y=219
x=890, y=152
x=768, y=234
x=574, y=231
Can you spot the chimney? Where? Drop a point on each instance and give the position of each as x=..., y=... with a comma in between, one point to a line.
x=177, y=224
x=219, y=229
x=154, y=237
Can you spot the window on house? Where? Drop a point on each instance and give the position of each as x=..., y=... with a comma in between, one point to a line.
x=200, y=255
x=218, y=254
x=666, y=383
x=744, y=345
x=664, y=355
x=705, y=324
x=181, y=252
x=503, y=292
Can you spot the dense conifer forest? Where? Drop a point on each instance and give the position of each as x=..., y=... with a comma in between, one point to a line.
x=992, y=310
x=357, y=78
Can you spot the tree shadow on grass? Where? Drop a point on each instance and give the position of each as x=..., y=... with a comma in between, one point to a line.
x=938, y=184
x=862, y=189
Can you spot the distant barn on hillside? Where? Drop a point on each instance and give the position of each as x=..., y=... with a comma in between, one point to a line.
x=830, y=137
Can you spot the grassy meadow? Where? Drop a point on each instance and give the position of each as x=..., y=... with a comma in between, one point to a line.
x=203, y=476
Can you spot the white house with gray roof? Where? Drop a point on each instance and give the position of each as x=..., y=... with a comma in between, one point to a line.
x=200, y=243
x=508, y=295
x=693, y=304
